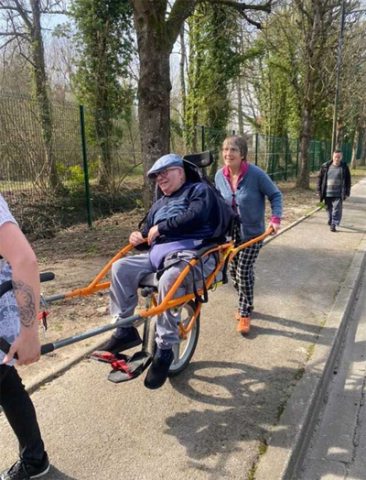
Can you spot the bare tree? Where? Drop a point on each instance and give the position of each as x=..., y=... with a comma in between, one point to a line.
x=23, y=31
x=317, y=20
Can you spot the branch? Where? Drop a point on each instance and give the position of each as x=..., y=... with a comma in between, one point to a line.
x=7, y=43
x=240, y=7
x=47, y=10
x=249, y=20
x=55, y=12
x=28, y=59
x=24, y=14
x=180, y=11
x=13, y=34
x=13, y=9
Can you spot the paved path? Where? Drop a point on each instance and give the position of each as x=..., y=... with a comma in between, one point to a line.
x=337, y=449
x=212, y=421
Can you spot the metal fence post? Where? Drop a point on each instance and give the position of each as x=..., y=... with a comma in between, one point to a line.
x=85, y=165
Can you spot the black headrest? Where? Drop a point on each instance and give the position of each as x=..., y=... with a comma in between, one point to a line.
x=201, y=160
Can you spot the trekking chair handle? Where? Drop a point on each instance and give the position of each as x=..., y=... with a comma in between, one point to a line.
x=6, y=287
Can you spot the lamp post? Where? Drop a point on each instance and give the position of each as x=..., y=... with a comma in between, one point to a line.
x=338, y=74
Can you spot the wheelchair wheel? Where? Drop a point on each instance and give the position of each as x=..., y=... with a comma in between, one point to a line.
x=184, y=351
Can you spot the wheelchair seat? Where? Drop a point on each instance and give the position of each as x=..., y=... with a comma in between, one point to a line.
x=150, y=281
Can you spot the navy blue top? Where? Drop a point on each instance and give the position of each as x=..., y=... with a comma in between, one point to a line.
x=188, y=213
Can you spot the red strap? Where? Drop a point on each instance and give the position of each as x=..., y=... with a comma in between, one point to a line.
x=106, y=356
x=122, y=366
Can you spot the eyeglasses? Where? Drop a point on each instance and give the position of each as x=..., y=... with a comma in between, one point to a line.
x=163, y=173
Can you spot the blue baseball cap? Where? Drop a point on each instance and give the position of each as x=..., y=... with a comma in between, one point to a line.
x=166, y=161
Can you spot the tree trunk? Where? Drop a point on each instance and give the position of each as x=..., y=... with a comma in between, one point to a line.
x=339, y=134
x=317, y=17
x=303, y=180
x=44, y=105
x=240, y=106
x=157, y=28
x=191, y=120
x=355, y=143
x=182, y=64
x=153, y=89
x=363, y=148
x=103, y=128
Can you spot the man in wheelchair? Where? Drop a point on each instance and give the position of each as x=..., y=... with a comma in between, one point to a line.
x=181, y=221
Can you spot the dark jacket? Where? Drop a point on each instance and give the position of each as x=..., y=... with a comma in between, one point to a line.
x=189, y=213
x=323, y=176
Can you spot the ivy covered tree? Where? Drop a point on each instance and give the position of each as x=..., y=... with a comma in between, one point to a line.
x=157, y=28
x=102, y=80
x=351, y=121
x=213, y=64
x=277, y=78
x=297, y=65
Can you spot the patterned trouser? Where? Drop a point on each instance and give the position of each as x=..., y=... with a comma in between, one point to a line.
x=242, y=273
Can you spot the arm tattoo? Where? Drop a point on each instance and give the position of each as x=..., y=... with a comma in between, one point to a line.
x=26, y=303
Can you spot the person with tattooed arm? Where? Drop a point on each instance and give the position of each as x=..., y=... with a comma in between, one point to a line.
x=19, y=327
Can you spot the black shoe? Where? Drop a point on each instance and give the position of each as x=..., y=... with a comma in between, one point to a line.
x=130, y=339
x=159, y=369
x=333, y=228
x=25, y=471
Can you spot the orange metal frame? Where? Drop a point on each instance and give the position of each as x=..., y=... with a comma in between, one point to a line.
x=226, y=253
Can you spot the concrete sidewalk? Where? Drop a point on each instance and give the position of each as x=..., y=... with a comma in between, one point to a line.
x=237, y=394
x=294, y=430
x=337, y=447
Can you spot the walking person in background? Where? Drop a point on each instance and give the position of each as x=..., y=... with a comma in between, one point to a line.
x=334, y=186
x=245, y=187
x=19, y=327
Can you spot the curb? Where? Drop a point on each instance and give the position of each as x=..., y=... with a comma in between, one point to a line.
x=290, y=437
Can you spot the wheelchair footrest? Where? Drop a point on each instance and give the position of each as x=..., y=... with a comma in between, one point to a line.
x=130, y=367
x=107, y=357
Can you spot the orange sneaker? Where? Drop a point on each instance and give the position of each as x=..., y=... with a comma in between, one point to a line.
x=243, y=326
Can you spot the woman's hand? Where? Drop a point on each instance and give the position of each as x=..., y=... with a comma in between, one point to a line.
x=275, y=227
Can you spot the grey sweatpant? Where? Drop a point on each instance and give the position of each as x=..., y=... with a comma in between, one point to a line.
x=127, y=274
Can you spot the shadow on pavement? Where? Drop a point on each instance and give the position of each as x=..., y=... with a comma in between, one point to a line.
x=56, y=474
x=249, y=397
